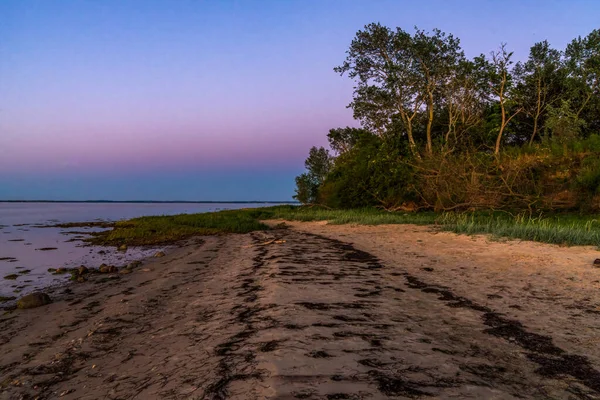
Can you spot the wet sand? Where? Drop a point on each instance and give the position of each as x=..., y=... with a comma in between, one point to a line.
x=320, y=312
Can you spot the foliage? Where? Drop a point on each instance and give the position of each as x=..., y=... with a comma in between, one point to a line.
x=318, y=165
x=442, y=132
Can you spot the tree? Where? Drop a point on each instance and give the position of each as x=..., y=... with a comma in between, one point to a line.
x=318, y=164
x=464, y=101
x=438, y=56
x=582, y=57
x=497, y=74
x=539, y=86
x=383, y=64
x=342, y=140
x=563, y=123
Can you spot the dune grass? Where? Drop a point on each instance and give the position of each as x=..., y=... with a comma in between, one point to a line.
x=564, y=229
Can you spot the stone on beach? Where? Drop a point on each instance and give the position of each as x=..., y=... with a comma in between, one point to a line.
x=32, y=300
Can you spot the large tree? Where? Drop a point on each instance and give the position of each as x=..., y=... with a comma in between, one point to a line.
x=582, y=57
x=540, y=81
x=438, y=58
x=383, y=64
x=496, y=72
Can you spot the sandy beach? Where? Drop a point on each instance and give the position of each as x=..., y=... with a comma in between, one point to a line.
x=318, y=311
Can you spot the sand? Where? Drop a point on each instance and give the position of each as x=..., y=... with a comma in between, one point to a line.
x=320, y=312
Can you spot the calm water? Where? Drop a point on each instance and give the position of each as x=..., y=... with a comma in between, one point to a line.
x=20, y=240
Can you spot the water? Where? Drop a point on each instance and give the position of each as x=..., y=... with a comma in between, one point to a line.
x=21, y=240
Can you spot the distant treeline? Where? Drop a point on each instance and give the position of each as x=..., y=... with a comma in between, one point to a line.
x=443, y=132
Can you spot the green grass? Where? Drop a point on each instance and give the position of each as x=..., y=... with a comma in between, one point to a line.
x=563, y=229
x=559, y=229
x=171, y=228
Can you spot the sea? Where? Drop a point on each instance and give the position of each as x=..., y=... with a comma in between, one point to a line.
x=28, y=247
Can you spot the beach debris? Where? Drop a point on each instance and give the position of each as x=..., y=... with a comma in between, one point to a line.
x=58, y=271
x=122, y=247
x=32, y=300
x=105, y=269
x=268, y=242
x=159, y=254
x=597, y=263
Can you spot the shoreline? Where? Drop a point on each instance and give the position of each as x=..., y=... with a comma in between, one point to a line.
x=65, y=250
x=316, y=310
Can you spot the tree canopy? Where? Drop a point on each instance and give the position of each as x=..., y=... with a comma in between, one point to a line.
x=443, y=131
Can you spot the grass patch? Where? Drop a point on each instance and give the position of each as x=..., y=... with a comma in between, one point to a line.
x=562, y=229
x=171, y=228
x=567, y=229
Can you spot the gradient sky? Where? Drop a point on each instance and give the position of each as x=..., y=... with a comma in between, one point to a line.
x=206, y=100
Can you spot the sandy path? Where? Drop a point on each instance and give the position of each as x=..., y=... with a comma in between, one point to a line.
x=335, y=312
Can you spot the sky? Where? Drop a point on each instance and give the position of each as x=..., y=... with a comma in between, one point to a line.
x=206, y=99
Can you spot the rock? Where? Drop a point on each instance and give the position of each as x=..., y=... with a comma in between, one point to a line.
x=597, y=263
x=125, y=271
x=112, y=269
x=159, y=254
x=103, y=269
x=123, y=247
x=82, y=270
x=52, y=270
x=81, y=278
x=32, y=300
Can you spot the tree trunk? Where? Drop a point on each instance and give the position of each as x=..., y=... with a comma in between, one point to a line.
x=429, y=124
x=538, y=110
x=411, y=139
x=535, y=127
x=502, y=125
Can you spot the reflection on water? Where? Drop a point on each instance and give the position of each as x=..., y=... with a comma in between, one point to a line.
x=21, y=240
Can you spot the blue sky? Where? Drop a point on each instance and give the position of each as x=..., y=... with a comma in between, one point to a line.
x=206, y=100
